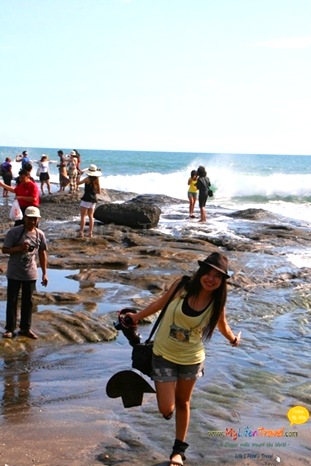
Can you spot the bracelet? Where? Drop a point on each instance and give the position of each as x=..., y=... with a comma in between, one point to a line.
x=234, y=341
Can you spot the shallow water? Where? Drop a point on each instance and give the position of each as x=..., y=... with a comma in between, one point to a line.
x=243, y=389
x=248, y=387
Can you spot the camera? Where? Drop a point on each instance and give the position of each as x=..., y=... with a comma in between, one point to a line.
x=126, y=325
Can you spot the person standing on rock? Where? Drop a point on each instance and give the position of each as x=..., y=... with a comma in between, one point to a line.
x=78, y=156
x=23, y=243
x=203, y=184
x=44, y=173
x=178, y=351
x=192, y=192
x=63, y=178
x=72, y=170
x=6, y=170
x=89, y=198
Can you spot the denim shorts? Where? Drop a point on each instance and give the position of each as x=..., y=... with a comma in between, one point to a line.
x=167, y=371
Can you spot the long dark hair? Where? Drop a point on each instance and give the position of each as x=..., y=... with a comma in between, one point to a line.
x=201, y=172
x=193, y=287
x=94, y=182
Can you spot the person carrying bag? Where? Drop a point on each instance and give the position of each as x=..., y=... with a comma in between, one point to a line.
x=178, y=353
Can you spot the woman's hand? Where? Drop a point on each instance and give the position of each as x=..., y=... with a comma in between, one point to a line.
x=236, y=340
x=133, y=317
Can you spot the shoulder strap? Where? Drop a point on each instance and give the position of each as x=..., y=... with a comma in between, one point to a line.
x=182, y=282
x=20, y=236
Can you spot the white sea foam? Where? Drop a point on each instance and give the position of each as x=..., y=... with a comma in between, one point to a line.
x=300, y=260
x=286, y=195
x=227, y=184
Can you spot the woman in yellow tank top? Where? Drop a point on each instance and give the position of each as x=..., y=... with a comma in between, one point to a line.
x=192, y=192
x=178, y=351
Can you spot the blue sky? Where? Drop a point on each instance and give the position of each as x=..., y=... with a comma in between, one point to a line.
x=159, y=75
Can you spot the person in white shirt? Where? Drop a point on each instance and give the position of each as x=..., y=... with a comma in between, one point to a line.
x=44, y=173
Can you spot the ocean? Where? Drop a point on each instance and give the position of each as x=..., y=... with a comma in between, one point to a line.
x=277, y=183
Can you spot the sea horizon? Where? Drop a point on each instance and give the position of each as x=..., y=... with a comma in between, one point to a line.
x=154, y=151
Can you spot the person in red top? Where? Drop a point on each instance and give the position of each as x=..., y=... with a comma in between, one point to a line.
x=26, y=192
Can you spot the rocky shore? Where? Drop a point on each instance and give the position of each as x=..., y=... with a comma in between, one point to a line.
x=148, y=259
x=143, y=263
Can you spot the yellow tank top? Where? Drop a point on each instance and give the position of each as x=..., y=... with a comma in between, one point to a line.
x=179, y=337
x=192, y=186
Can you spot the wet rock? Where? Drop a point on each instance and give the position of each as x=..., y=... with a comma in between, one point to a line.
x=77, y=327
x=62, y=328
x=251, y=214
x=132, y=214
x=146, y=262
x=156, y=199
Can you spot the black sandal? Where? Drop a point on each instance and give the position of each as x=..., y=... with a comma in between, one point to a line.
x=179, y=448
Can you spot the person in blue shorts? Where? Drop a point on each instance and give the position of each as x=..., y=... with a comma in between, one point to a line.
x=179, y=351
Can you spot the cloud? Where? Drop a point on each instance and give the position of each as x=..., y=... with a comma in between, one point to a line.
x=286, y=43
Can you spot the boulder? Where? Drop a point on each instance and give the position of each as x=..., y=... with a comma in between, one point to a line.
x=156, y=199
x=133, y=215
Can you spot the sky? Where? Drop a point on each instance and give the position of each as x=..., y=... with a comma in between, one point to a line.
x=224, y=76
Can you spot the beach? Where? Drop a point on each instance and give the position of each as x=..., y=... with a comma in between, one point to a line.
x=137, y=95
x=54, y=407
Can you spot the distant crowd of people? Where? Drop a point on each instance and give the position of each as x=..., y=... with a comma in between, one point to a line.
x=27, y=191
x=68, y=166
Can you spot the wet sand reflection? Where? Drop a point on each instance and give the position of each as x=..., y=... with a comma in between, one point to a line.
x=15, y=386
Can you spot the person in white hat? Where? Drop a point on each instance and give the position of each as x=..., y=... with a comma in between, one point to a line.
x=23, y=243
x=89, y=198
x=191, y=317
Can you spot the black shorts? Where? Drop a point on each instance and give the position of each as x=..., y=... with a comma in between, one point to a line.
x=202, y=200
x=44, y=176
x=7, y=178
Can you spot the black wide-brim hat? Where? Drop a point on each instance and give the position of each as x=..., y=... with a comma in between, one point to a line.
x=130, y=386
x=217, y=261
